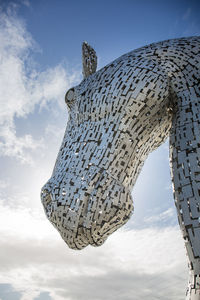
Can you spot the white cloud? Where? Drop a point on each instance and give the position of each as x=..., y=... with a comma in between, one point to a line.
x=164, y=216
x=147, y=263
x=53, y=132
x=4, y=184
x=23, y=87
x=11, y=145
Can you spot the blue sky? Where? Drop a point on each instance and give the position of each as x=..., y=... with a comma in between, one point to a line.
x=40, y=59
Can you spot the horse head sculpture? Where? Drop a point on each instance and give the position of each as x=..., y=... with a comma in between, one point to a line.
x=117, y=116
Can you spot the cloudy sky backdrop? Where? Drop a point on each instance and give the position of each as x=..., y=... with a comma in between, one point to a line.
x=40, y=59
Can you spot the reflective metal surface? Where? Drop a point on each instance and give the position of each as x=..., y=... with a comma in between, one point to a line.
x=117, y=116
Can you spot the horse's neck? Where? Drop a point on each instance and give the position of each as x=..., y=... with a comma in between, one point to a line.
x=185, y=168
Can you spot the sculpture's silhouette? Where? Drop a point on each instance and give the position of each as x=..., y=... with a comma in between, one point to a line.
x=117, y=116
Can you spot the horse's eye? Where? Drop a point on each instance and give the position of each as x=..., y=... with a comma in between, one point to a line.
x=69, y=97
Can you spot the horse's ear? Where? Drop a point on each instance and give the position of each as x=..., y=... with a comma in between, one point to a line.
x=89, y=59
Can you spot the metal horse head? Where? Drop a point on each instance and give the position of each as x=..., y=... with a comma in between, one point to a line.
x=117, y=116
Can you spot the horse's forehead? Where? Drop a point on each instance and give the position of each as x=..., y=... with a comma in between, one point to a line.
x=105, y=78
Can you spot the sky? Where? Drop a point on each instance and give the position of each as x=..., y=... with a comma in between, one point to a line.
x=40, y=59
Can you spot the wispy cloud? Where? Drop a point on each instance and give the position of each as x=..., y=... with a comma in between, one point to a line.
x=190, y=23
x=192, y=29
x=165, y=216
x=3, y=184
x=23, y=87
x=187, y=14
